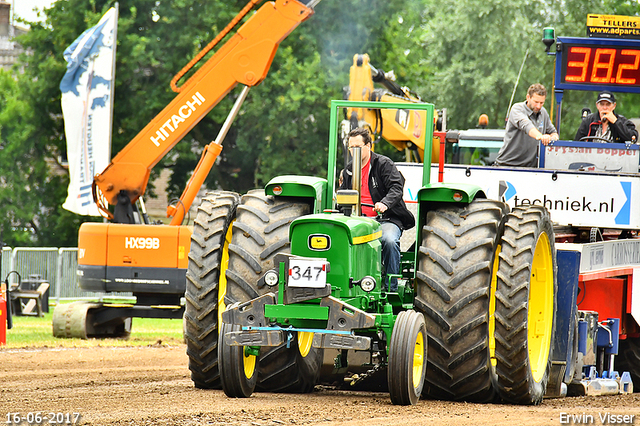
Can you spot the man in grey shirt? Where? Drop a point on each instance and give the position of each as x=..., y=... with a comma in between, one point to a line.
x=528, y=123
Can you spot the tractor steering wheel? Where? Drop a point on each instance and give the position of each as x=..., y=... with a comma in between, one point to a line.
x=378, y=214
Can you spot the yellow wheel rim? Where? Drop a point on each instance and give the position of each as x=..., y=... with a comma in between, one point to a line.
x=492, y=306
x=540, y=315
x=305, y=341
x=222, y=280
x=418, y=360
x=249, y=362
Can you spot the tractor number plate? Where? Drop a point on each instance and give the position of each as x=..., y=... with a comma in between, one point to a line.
x=307, y=273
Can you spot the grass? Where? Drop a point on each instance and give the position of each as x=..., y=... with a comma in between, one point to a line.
x=36, y=332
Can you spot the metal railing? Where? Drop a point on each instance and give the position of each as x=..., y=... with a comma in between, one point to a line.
x=55, y=265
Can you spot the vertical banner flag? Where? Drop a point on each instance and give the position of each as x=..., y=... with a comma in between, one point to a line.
x=87, y=102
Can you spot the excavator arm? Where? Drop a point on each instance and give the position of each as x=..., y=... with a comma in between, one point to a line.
x=404, y=129
x=244, y=59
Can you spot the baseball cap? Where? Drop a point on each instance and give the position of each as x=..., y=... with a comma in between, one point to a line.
x=606, y=96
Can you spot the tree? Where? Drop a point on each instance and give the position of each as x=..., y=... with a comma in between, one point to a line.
x=477, y=48
x=31, y=140
x=35, y=188
x=16, y=190
x=284, y=126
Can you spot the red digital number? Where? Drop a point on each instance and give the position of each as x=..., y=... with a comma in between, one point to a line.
x=633, y=67
x=605, y=65
x=582, y=65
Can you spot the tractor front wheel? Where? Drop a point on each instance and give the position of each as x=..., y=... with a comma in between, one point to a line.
x=238, y=373
x=407, y=358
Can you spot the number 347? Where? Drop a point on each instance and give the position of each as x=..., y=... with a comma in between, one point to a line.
x=297, y=273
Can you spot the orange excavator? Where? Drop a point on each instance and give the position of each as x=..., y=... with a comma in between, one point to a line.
x=128, y=254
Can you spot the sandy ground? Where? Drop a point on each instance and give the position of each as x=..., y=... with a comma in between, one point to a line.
x=152, y=386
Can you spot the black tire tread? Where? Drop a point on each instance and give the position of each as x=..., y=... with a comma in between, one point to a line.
x=515, y=383
x=452, y=291
x=215, y=213
x=628, y=359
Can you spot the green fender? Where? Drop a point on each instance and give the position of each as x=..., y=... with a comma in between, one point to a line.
x=299, y=187
x=450, y=193
x=430, y=193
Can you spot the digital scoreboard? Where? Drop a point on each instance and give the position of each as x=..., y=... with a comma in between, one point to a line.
x=597, y=64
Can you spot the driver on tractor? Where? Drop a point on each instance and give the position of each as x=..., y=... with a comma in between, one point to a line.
x=382, y=188
x=607, y=125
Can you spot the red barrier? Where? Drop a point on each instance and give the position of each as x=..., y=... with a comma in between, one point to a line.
x=3, y=319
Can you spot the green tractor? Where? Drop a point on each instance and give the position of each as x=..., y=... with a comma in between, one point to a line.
x=354, y=313
x=278, y=277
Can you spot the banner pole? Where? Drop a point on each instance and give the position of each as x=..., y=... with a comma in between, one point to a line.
x=113, y=77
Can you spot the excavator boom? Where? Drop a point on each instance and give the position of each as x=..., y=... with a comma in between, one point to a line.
x=245, y=58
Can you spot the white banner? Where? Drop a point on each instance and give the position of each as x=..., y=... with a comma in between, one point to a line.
x=586, y=199
x=87, y=108
x=590, y=157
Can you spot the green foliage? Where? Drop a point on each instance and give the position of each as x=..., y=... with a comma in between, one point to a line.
x=291, y=130
x=30, y=189
x=477, y=48
x=14, y=189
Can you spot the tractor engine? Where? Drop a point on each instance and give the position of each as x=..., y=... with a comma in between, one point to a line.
x=350, y=245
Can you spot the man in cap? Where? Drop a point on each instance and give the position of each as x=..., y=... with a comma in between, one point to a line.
x=606, y=125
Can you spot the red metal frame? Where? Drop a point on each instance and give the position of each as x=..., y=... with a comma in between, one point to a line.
x=608, y=292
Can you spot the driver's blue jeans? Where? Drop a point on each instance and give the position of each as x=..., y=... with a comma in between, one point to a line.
x=390, y=253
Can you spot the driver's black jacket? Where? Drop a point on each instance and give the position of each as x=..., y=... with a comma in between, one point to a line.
x=386, y=185
x=623, y=130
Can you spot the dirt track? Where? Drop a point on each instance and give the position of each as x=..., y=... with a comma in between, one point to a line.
x=149, y=386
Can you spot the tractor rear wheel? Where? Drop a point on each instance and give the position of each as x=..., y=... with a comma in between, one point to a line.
x=260, y=232
x=525, y=305
x=628, y=359
x=453, y=291
x=407, y=358
x=208, y=259
x=238, y=370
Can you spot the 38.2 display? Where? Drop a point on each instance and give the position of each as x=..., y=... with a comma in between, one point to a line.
x=601, y=65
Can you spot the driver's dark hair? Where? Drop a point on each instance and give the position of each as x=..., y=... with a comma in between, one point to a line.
x=361, y=131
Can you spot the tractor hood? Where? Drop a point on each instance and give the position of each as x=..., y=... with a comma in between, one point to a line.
x=359, y=229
